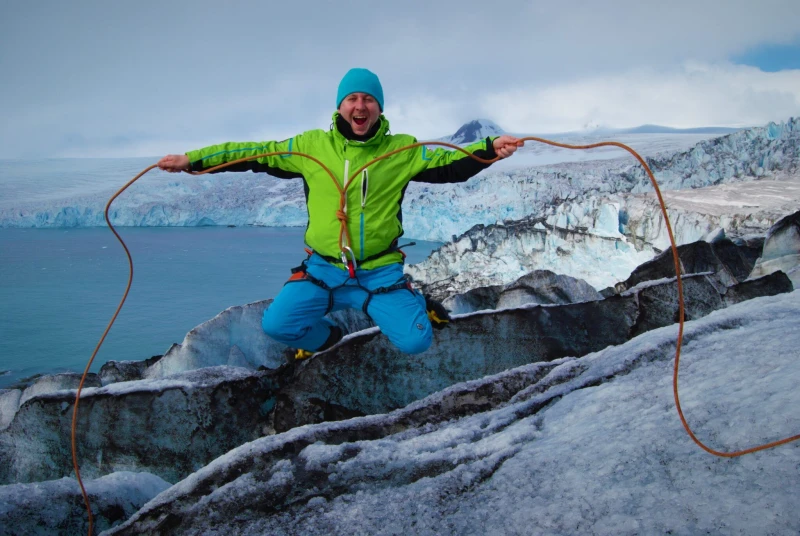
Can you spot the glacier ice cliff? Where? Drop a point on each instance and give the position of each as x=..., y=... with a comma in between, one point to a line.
x=617, y=232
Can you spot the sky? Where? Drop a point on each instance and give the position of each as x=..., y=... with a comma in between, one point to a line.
x=93, y=78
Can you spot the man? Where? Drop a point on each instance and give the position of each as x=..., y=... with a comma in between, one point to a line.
x=355, y=261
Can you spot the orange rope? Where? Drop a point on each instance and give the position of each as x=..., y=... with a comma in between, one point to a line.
x=345, y=240
x=103, y=338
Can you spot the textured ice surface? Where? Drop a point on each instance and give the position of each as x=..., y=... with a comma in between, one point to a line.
x=592, y=447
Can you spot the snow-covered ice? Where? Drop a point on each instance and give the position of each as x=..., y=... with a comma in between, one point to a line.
x=594, y=447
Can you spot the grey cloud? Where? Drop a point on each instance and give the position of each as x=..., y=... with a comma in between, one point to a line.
x=201, y=69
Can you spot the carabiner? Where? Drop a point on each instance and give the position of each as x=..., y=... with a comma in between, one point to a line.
x=351, y=263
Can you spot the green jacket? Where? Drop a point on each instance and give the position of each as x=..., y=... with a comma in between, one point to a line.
x=373, y=203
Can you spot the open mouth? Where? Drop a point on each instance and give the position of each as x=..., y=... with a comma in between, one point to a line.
x=359, y=120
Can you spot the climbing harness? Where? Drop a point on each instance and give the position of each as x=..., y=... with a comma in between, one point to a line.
x=349, y=260
x=301, y=274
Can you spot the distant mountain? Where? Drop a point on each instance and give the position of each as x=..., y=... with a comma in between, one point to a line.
x=478, y=129
x=473, y=131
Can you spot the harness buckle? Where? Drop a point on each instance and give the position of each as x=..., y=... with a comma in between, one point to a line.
x=350, y=262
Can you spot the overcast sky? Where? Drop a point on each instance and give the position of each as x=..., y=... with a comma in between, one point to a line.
x=145, y=78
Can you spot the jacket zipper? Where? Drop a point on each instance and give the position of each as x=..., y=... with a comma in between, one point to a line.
x=345, y=180
x=364, y=188
x=346, y=177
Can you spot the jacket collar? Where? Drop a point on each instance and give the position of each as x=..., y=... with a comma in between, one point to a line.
x=342, y=128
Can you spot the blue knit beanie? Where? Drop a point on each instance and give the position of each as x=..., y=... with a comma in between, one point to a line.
x=360, y=81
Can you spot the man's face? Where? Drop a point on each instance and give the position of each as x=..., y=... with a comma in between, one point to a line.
x=361, y=111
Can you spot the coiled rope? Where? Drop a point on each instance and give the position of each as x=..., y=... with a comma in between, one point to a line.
x=345, y=241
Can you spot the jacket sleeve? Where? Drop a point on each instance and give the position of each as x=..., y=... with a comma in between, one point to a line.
x=443, y=165
x=285, y=166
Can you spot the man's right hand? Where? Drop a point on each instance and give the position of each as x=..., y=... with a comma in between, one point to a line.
x=174, y=163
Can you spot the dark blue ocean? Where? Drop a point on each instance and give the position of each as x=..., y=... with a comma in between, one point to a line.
x=60, y=287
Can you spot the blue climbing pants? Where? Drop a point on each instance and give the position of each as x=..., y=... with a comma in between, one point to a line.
x=296, y=317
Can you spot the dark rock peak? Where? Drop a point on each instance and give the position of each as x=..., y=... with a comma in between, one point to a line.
x=476, y=130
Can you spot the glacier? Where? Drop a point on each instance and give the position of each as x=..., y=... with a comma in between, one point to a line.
x=434, y=213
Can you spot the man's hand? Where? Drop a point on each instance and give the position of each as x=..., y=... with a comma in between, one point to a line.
x=174, y=163
x=506, y=145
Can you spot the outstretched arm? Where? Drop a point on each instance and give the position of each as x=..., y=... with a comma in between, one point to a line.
x=442, y=166
x=281, y=166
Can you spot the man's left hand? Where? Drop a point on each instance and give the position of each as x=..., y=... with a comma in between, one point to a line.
x=506, y=145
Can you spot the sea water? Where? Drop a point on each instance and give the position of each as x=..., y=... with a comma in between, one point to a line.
x=60, y=287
